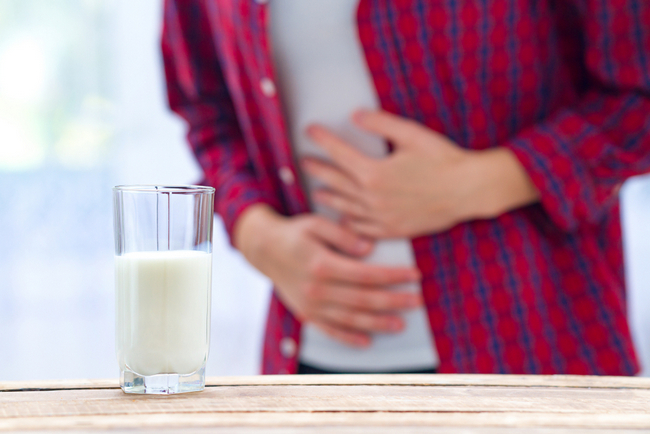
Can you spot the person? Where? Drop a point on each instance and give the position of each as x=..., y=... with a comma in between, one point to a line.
x=431, y=186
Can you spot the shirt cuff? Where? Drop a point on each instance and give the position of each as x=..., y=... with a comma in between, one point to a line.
x=234, y=197
x=554, y=154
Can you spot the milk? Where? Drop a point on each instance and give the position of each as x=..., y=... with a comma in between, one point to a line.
x=162, y=307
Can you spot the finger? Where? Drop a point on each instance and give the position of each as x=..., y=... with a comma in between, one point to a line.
x=341, y=203
x=399, y=130
x=365, y=227
x=362, y=321
x=339, y=268
x=343, y=155
x=349, y=337
x=339, y=237
x=332, y=177
x=371, y=299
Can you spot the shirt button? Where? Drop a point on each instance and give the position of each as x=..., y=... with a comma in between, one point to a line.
x=286, y=175
x=268, y=87
x=288, y=347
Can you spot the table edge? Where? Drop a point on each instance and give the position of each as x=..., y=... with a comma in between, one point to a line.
x=487, y=380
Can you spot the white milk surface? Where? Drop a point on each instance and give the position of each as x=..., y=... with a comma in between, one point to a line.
x=162, y=308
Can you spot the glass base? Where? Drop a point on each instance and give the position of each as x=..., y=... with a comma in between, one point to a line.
x=162, y=384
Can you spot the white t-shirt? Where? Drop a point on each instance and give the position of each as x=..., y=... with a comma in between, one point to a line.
x=322, y=77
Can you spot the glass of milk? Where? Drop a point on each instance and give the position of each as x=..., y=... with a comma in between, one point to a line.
x=163, y=272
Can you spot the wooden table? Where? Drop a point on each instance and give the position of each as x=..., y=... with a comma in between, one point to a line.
x=341, y=403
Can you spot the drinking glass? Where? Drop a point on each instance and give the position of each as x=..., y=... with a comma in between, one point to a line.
x=163, y=273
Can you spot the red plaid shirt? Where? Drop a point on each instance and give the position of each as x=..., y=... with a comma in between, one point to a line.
x=564, y=84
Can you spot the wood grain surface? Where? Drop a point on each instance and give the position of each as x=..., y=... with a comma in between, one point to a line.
x=349, y=403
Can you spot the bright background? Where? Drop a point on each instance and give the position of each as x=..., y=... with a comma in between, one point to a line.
x=83, y=108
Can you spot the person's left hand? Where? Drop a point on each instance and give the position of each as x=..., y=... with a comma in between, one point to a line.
x=427, y=185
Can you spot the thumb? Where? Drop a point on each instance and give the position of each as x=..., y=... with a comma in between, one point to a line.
x=341, y=238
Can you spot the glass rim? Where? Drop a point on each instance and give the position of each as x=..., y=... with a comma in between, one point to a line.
x=179, y=189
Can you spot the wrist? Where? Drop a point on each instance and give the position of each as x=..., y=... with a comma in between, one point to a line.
x=252, y=228
x=499, y=184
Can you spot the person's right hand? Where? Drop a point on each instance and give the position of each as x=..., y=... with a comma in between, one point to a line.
x=316, y=268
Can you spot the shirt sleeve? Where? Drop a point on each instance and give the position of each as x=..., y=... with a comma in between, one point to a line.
x=578, y=157
x=197, y=92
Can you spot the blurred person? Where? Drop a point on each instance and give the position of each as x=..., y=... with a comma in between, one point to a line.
x=487, y=238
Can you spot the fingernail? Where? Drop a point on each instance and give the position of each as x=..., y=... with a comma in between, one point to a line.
x=306, y=168
x=360, y=115
x=318, y=196
x=313, y=130
x=395, y=325
x=362, y=245
x=414, y=302
x=362, y=342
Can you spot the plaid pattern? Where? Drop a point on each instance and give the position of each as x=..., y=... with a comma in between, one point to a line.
x=564, y=84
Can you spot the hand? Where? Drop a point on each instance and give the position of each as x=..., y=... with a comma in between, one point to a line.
x=315, y=266
x=427, y=185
